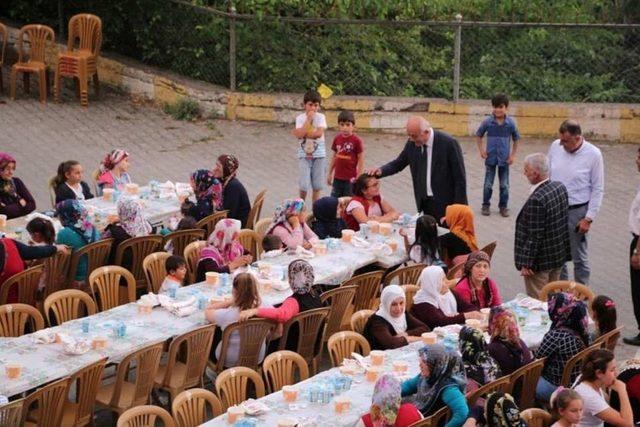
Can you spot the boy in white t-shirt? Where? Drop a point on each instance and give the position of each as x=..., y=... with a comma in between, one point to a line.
x=176, y=268
x=310, y=127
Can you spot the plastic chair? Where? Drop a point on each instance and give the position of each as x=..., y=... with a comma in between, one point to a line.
x=95, y=176
x=455, y=271
x=4, y=34
x=610, y=339
x=339, y=300
x=368, y=289
x=122, y=394
x=189, y=409
x=310, y=325
x=359, y=320
x=409, y=292
x=15, y=317
x=253, y=334
x=342, y=344
x=105, y=283
x=51, y=185
x=208, y=223
x=192, y=256
x=251, y=241
x=501, y=384
x=139, y=247
x=96, y=253
x=406, y=275
x=79, y=413
x=523, y=383
x=26, y=282
x=437, y=419
x=56, y=269
x=50, y=401
x=82, y=62
x=572, y=368
x=232, y=384
x=536, y=417
x=279, y=369
x=261, y=226
x=256, y=209
x=193, y=347
x=154, y=270
x=181, y=238
x=490, y=248
x=11, y=413
x=578, y=290
x=66, y=305
x=145, y=416
x=33, y=61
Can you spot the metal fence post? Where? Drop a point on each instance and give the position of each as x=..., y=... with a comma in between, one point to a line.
x=456, y=58
x=232, y=48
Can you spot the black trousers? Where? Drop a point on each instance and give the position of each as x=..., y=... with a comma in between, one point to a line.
x=428, y=207
x=635, y=283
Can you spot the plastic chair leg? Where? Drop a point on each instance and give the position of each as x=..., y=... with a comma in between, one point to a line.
x=26, y=82
x=12, y=83
x=42, y=84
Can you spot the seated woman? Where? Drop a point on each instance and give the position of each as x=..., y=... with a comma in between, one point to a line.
x=391, y=326
x=426, y=247
x=434, y=304
x=113, y=171
x=244, y=296
x=604, y=315
x=131, y=222
x=461, y=238
x=208, y=192
x=599, y=377
x=506, y=347
x=289, y=223
x=327, y=212
x=234, y=196
x=566, y=337
x=387, y=408
x=476, y=290
x=69, y=184
x=78, y=231
x=441, y=382
x=223, y=253
x=500, y=410
x=367, y=204
x=479, y=366
x=15, y=199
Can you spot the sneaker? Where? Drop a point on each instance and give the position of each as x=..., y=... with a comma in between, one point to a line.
x=504, y=212
x=485, y=210
x=633, y=340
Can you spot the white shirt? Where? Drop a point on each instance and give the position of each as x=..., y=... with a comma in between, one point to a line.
x=77, y=190
x=534, y=187
x=224, y=317
x=429, y=145
x=593, y=403
x=374, y=210
x=319, y=121
x=634, y=215
x=167, y=284
x=581, y=172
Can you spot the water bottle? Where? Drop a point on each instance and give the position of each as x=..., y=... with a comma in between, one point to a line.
x=122, y=329
x=85, y=325
x=172, y=291
x=202, y=303
x=313, y=394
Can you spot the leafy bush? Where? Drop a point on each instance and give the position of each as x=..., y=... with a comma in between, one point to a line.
x=183, y=109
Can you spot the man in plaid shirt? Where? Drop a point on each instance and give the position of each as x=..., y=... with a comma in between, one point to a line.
x=542, y=237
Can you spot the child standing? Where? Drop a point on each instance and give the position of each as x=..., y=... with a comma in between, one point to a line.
x=176, y=268
x=500, y=129
x=310, y=127
x=348, y=157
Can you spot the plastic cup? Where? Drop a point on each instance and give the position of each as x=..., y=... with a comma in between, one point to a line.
x=373, y=373
x=341, y=404
x=400, y=366
x=99, y=343
x=211, y=277
x=347, y=370
x=320, y=248
x=393, y=245
x=290, y=393
x=374, y=226
x=287, y=422
x=107, y=194
x=347, y=235
x=3, y=221
x=132, y=188
x=377, y=357
x=429, y=338
x=145, y=308
x=234, y=413
x=13, y=370
x=385, y=229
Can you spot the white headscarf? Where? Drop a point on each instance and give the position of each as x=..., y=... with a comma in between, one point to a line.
x=389, y=294
x=430, y=282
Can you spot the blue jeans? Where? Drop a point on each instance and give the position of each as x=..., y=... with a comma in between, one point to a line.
x=341, y=188
x=503, y=177
x=544, y=389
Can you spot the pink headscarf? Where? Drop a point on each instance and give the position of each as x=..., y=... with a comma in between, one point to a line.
x=223, y=245
x=112, y=159
x=5, y=159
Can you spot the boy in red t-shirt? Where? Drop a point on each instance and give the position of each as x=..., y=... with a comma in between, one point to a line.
x=348, y=157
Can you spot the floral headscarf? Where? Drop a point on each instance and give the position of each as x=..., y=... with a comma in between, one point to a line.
x=503, y=326
x=74, y=216
x=132, y=219
x=208, y=188
x=230, y=166
x=288, y=207
x=386, y=401
x=387, y=297
x=6, y=185
x=478, y=363
x=223, y=245
x=301, y=276
x=445, y=370
x=501, y=411
x=473, y=259
x=565, y=311
x=459, y=218
x=430, y=281
x=112, y=159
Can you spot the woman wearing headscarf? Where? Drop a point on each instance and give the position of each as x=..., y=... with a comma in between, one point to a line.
x=131, y=222
x=566, y=338
x=224, y=252
x=208, y=192
x=387, y=409
x=501, y=411
x=234, y=197
x=461, y=238
x=77, y=231
x=113, y=171
x=441, y=382
x=476, y=290
x=434, y=304
x=391, y=326
x=327, y=213
x=289, y=223
x=15, y=198
x=506, y=346
x=478, y=363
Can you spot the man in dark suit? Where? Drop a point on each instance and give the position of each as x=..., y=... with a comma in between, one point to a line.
x=542, y=237
x=437, y=168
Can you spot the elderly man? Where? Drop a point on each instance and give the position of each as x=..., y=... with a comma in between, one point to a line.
x=578, y=165
x=437, y=168
x=542, y=238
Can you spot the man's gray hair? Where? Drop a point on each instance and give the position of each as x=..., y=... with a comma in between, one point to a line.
x=538, y=162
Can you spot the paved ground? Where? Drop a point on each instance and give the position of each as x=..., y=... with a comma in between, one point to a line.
x=161, y=148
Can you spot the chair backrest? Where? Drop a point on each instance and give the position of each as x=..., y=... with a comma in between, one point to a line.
x=145, y=416
x=310, y=328
x=15, y=317
x=536, y=417
x=232, y=384
x=253, y=334
x=105, y=286
x=438, y=418
x=88, y=381
x=57, y=271
x=359, y=320
x=208, y=223
x=490, y=248
x=11, y=413
x=154, y=270
x=50, y=401
x=66, y=305
x=279, y=369
x=3, y=46
x=140, y=247
x=261, y=226
x=86, y=29
x=580, y=291
x=26, y=282
x=501, y=384
x=146, y=362
x=610, y=339
x=51, y=185
x=256, y=209
x=95, y=176
x=251, y=241
x=410, y=291
x=96, y=253
x=194, y=346
x=405, y=275
x=338, y=300
x=39, y=37
x=572, y=368
x=523, y=383
x=368, y=289
x=192, y=255
x=342, y=344
x=181, y=238
x=455, y=271
x=189, y=408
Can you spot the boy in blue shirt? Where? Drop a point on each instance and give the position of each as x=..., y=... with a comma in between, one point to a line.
x=499, y=153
